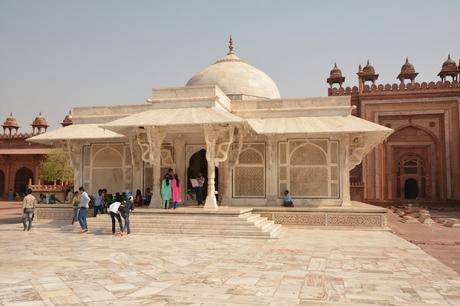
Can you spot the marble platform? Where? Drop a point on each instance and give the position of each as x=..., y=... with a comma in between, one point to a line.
x=356, y=215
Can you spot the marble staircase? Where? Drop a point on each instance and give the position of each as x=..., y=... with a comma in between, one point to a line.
x=239, y=223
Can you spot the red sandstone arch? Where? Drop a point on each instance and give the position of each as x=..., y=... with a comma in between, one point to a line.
x=411, y=133
x=412, y=141
x=21, y=180
x=2, y=183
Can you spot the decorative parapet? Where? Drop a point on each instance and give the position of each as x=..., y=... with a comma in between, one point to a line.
x=356, y=184
x=49, y=188
x=18, y=136
x=398, y=88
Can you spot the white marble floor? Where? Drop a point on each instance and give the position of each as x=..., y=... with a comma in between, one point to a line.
x=48, y=266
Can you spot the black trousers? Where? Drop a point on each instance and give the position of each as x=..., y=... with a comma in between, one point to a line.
x=120, y=223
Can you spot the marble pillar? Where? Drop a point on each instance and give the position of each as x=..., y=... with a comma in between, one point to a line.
x=271, y=175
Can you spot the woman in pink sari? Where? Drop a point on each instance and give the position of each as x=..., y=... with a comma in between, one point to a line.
x=176, y=191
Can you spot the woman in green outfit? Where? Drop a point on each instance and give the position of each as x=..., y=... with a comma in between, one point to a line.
x=166, y=191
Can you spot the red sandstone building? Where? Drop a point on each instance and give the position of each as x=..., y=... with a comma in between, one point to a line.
x=420, y=161
x=19, y=159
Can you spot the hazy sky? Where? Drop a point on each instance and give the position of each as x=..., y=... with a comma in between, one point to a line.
x=58, y=54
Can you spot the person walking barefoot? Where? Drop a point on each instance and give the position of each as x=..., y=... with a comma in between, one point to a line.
x=28, y=206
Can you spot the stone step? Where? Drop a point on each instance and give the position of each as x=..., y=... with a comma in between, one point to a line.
x=188, y=217
x=206, y=224
x=194, y=231
x=181, y=226
x=277, y=231
x=208, y=221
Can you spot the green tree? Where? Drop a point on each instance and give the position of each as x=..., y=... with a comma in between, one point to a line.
x=55, y=166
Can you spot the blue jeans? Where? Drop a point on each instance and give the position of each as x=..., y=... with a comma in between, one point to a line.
x=98, y=208
x=82, y=213
x=199, y=194
x=75, y=214
x=126, y=225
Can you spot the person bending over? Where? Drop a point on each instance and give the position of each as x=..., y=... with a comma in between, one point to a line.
x=115, y=213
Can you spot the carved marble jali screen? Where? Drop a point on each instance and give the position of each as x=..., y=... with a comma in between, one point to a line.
x=309, y=168
x=249, y=173
x=167, y=162
x=107, y=166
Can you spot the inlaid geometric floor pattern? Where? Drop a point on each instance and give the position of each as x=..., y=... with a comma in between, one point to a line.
x=49, y=266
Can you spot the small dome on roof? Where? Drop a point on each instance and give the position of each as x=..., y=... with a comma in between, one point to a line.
x=236, y=77
x=10, y=122
x=449, y=65
x=40, y=121
x=407, y=67
x=335, y=72
x=67, y=120
x=368, y=69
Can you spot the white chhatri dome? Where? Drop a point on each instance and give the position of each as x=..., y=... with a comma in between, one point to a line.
x=236, y=77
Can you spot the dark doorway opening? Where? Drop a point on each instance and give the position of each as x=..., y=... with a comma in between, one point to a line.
x=21, y=180
x=2, y=183
x=410, y=189
x=198, y=164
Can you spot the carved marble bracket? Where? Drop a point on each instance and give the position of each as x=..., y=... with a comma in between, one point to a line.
x=134, y=151
x=73, y=151
x=218, y=142
x=144, y=146
x=235, y=153
x=150, y=140
x=359, y=146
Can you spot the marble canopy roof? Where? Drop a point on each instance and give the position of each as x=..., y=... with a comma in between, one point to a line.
x=316, y=125
x=173, y=117
x=76, y=132
x=196, y=106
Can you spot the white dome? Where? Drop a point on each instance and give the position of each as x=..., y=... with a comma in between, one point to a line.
x=234, y=76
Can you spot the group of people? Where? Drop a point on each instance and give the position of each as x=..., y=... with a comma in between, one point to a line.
x=121, y=205
x=171, y=190
x=117, y=207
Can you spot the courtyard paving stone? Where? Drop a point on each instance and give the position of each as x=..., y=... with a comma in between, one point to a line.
x=53, y=265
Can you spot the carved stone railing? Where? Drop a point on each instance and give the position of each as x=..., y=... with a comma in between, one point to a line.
x=395, y=88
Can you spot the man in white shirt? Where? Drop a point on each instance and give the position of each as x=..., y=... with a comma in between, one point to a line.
x=28, y=206
x=115, y=213
x=83, y=209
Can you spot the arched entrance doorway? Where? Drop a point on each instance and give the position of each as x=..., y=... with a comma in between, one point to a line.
x=198, y=164
x=412, y=177
x=21, y=180
x=412, y=160
x=2, y=183
x=410, y=189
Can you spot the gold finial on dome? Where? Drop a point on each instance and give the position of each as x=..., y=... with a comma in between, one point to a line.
x=230, y=46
